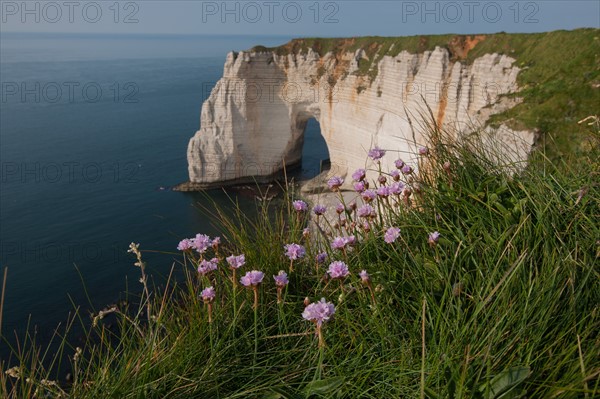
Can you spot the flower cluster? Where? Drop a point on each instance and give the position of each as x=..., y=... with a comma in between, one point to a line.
x=338, y=270
x=252, y=278
x=392, y=234
x=201, y=243
x=235, y=262
x=208, y=294
x=207, y=266
x=294, y=251
x=300, y=206
x=319, y=312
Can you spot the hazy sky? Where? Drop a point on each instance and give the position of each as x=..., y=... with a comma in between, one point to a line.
x=296, y=18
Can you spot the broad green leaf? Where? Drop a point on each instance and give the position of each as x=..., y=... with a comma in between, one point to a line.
x=327, y=386
x=504, y=382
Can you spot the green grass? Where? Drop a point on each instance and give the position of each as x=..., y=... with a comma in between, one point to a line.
x=506, y=305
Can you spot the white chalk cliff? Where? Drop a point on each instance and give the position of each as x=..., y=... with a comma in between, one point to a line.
x=254, y=120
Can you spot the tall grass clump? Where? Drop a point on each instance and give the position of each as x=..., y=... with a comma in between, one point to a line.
x=470, y=279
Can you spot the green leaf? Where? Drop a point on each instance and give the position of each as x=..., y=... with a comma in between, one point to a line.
x=327, y=386
x=501, y=385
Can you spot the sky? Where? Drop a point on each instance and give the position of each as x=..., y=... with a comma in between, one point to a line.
x=296, y=18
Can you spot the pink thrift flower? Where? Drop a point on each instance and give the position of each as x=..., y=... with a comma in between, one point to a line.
x=395, y=175
x=319, y=210
x=368, y=195
x=252, y=278
x=433, y=238
x=399, y=163
x=338, y=270
x=207, y=266
x=320, y=258
x=340, y=208
x=423, y=151
x=396, y=188
x=359, y=175
x=335, y=182
x=350, y=240
x=383, y=191
x=300, y=206
x=235, y=262
x=201, y=243
x=294, y=251
x=281, y=280
x=392, y=234
x=360, y=186
x=185, y=245
x=366, y=211
x=208, y=294
x=364, y=276
x=338, y=243
x=319, y=312
x=407, y=169
x=376, y=153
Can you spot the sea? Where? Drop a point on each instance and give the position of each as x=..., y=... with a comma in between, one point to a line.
x=93, y=136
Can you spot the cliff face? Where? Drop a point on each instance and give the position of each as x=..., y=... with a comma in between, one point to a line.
x=255, y=117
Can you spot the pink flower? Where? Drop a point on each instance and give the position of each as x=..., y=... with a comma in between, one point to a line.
x=368, y=195
x=294, y=251
x=433, y=238
x=338, y=270
x=339, y=208
x=359, y=175
x=319, y=210
x=395, y=175
x=399, y=163
x=366, y=211
x=252, y=278
x=396, y=188
x=207, y=266
x=360, y=186
x=338, y=243
x=364, y=276
x=407, y=169
x=235, y=262
x=376, y=153
x=319, y=312
x=185, y=245
x=215, y=242
x=423, y=151
x=383, y=191
x=201, y=243
x=392, y=234
x=335, y=182
x=300, y=206
x=208, y=294
x=320, y=258
x=281, y=280
x=350, y=240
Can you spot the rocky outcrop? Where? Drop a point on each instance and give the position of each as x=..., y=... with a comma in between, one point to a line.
x=253, y=122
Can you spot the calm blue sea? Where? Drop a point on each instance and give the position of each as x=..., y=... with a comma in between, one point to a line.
x=93, y=132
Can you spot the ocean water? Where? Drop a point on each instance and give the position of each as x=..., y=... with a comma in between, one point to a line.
x=93, y=133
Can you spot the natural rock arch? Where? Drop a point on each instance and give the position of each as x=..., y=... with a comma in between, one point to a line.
x=254, y=119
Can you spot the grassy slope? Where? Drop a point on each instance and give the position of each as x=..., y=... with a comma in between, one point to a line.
x=560, y=70
x=510, y=293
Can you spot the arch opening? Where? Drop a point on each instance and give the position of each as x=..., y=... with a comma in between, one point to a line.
x=315, y=153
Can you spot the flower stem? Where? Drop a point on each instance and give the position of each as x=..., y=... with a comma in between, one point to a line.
x=255, y=326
